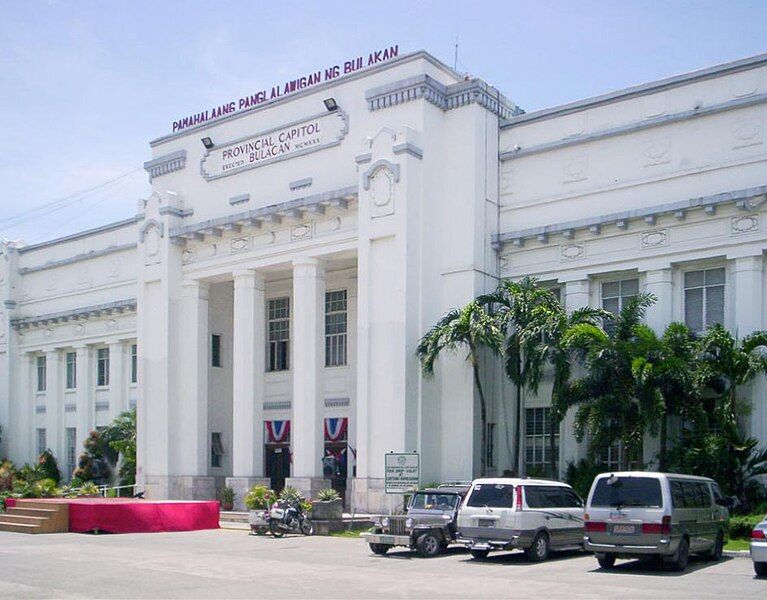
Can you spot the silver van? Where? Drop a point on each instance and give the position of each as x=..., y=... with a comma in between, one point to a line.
x=534, y=515
x=636, y=514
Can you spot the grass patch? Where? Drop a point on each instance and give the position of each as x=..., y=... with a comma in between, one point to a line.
x=736, y=545
x=350, y=533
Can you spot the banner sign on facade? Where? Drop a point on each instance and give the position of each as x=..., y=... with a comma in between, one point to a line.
x=287, y=141
x=289, y=87
x=402, y=472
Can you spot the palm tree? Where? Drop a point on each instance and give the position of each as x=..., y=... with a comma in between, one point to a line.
x=560, y=356
x=471, y=329
x=523, y=311
x=611, y=402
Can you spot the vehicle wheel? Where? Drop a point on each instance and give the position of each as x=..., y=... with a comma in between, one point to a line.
x=682, y=556
x=479, y=554
x=428, y=545
x=760, y=568
x=379, y=549
x=275, y=530
x=716, y=552
x=539, y=550
x=606, y=561
x=307, y=527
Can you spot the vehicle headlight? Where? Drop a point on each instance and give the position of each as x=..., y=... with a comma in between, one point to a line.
x=385, y=522
x=409, y=523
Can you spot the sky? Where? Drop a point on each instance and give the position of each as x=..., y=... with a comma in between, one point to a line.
x=85, y=85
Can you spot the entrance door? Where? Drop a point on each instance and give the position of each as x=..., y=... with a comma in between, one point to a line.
x=277, y=457
x=334, y=466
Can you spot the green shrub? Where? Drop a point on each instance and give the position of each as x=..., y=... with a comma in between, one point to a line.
x=49, y=467
x=45, y=488
x=226, y=495
x=328, y=495
x=291, y=494
x=580, y=476
x=88, y=489
x=259, y=497
x=741, y=526
x=7, y=474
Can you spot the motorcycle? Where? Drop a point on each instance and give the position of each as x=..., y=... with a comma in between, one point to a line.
x=289, y=517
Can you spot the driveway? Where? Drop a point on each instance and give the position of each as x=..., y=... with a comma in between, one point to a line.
x=233, y=564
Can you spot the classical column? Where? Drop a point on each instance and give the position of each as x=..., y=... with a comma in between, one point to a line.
x=748, y=279
x=22, y=411
x=86, y=382
x=117, y=379
x=748, y=284
x=659, y=283
x=248, y=366
x=54, y=403
x=307, y=342
x=576, y=295
x=191, y=452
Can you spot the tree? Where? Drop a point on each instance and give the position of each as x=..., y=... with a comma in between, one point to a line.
x=612, y=404
x=523, y=311
x=470, y=329
x=120, y=435
x=560, y=355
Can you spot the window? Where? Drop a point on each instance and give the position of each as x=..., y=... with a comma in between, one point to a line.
x=615, y=294
x=335, y=328
x=278, y=352
x=216, y=450
x=627, y=491
x=538, y=438
x=551, y=497
x=102, y=367
x=71, y=370
x=41, y=369
x=71, y=451
x=703, y=298
x=215, y=350
x=133, y=363
x=611, y=457
x=42, y=443
x=492, y=495
x=490, y=441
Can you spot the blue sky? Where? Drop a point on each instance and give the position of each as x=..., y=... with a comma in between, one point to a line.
x=85, y=85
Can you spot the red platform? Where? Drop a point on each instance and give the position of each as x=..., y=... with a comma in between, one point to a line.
x=129, y=515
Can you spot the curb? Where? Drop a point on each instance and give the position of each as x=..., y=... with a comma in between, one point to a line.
x=737, y=553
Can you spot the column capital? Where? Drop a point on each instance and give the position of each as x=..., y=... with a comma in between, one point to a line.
x=308, y=266
x=748, y=263
x=663, y=275
x=191, y=287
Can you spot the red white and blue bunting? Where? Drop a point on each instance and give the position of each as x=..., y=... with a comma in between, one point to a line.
x=335, y=429
x=277, y=432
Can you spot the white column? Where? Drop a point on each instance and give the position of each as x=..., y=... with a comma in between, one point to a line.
x=23, y=411
x=86, y=382
x=577, y=295
x=191, y=452
x=54, y=403
x=117, y=379
x=308, y=361
x=248, y=368
x=748, y=282
x=659, y=283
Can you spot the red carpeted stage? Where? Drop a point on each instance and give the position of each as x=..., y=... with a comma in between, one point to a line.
x=129, y=515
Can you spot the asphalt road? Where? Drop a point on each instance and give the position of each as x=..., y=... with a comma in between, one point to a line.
x=233, y=564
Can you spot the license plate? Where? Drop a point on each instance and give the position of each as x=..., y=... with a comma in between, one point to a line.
x=624, y=529
x=386, y=539
x=486, y=522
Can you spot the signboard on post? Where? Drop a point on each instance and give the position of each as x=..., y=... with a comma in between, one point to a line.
x=402, y=472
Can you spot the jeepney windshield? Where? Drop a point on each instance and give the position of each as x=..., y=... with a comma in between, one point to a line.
x=433, y=501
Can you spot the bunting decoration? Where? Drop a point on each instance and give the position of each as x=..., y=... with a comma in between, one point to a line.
x=335, y=429
x=277, y=432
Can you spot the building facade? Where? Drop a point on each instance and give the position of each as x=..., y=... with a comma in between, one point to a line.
x=262, y=309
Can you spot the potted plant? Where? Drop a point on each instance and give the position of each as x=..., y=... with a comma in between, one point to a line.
x=258, y=501
x=328, y=506
x=227, y=498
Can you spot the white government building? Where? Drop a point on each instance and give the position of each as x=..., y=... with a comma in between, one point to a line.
x=262, y=308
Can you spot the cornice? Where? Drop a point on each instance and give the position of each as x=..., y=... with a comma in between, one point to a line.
x=746, y=199
x=79, y=235
x=163, y=165
x=52, y=264
x=120, y=306
x=444, y=97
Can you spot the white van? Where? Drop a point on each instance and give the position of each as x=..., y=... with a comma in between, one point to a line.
x=638, y=514
x=534, y=515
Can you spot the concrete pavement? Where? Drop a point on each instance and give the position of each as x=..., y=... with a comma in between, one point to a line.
x=233, y=564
